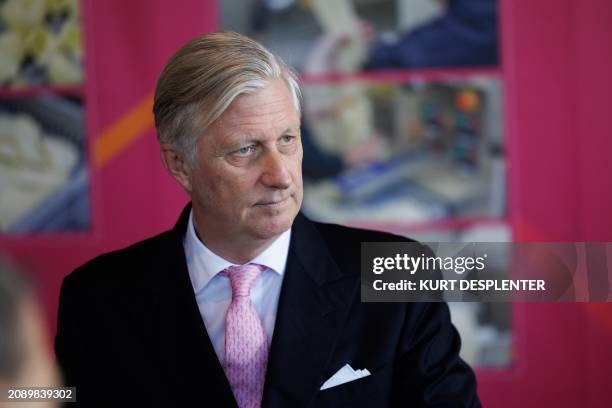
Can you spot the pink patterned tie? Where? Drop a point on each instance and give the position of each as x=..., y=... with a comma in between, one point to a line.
x=246, y=343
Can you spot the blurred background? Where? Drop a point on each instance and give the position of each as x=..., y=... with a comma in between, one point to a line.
x=442, y=120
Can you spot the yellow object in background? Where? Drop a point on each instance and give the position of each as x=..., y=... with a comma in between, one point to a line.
x=41, y=44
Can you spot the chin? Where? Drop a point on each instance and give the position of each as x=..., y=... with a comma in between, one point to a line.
x=270, y=227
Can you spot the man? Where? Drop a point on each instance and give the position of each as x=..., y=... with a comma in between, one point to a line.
x=245, y=302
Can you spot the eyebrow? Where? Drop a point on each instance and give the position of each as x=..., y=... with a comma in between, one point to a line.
x=241, y=139
x=291, y=129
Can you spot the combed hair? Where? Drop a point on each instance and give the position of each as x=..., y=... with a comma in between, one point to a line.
x=202, y=79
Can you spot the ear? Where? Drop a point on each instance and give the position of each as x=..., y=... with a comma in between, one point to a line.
x=176, y=165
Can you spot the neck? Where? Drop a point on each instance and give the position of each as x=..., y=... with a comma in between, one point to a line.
x=236, y=249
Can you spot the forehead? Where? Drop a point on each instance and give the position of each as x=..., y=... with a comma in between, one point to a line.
x=268, y=109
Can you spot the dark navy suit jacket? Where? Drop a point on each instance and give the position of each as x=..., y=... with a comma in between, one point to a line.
x=130, y=332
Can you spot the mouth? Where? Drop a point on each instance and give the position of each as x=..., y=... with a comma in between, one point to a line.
x=273, y=204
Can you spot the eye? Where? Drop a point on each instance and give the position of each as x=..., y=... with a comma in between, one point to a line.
x=244, y=151
x=287, y=139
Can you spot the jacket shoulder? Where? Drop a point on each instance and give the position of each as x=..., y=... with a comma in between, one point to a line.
x=348, y=235
x=344, y=243
x=120, y=266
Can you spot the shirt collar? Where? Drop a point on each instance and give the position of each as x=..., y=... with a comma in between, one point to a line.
x=203, y=264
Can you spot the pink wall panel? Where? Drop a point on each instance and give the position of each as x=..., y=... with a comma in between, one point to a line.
x=556, y=65
x=131, y=43
x=594, y=132
x=593, y=65
x=538, y=61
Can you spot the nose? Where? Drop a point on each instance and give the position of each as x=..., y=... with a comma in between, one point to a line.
x=275, y=172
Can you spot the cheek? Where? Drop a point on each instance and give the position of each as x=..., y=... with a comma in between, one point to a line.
x=297, y=172
x=233, y=191
x=296, y=164
x=210, y=189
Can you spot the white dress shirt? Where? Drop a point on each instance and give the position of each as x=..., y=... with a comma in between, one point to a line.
x=214, y=293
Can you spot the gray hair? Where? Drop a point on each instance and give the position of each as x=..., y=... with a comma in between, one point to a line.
x=203, y=78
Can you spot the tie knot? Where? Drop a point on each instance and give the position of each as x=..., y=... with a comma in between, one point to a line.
x=242, y=278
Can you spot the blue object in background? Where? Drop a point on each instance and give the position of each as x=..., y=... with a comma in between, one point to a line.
x=466, y=35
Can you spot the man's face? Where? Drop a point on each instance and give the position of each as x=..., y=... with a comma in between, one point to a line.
x=249, y=180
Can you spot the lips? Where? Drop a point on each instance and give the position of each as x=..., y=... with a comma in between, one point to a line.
x=274, y=203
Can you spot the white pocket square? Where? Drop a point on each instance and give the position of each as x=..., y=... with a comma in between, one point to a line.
x=344, y=375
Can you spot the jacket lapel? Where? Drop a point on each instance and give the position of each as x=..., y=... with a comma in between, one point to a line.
x=312, y=308
x=181, y=340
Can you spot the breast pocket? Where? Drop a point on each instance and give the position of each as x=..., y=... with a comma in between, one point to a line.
x=370, y=391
